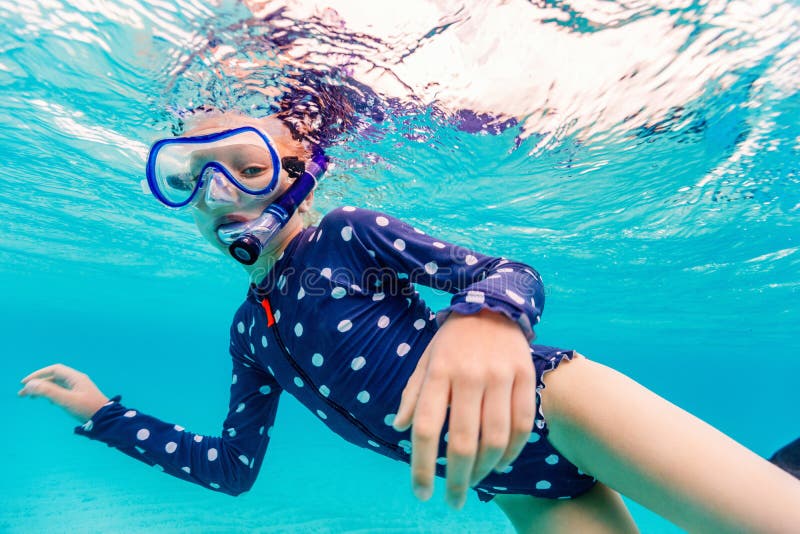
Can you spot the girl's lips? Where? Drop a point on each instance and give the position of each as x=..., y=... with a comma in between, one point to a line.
x=231, y=218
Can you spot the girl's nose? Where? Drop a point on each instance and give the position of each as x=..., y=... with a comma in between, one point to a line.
x=219, y=190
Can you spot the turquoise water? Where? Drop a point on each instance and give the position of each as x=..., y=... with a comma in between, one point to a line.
x=652, y=180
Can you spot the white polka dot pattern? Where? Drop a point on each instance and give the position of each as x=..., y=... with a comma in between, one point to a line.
x=338, y=292
x=515, y=297
x=477, y=297
x=367, y=330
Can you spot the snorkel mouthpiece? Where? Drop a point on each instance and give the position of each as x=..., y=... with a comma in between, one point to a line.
x=247, y=240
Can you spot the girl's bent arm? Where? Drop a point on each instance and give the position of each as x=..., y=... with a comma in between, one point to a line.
x=477, y=281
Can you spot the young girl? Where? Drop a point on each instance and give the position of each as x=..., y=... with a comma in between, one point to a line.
x=331, y=316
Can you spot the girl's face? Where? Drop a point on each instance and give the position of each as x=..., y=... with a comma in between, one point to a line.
x=225, y=203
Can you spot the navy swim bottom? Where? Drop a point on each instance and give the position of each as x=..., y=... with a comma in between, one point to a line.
x=540, y=470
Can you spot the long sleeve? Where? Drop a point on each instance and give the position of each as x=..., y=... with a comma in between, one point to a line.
x=476, y=281
x=228, y=463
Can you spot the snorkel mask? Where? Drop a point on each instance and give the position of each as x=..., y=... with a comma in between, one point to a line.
x=182, y=170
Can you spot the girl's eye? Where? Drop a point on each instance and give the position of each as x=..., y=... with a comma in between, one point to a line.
x=253, y=170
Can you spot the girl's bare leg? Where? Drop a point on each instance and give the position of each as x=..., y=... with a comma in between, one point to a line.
x=598, y=511
x=663, y=457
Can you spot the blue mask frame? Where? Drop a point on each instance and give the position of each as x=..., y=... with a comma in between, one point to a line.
x=151, y=169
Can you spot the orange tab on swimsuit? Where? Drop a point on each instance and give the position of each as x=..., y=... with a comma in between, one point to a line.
x=268, y=311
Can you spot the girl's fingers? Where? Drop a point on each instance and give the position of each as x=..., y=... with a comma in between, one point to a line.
x=408, y=403
x=495, y=430
x=45, y=388
x=523, y=412
x=428, y=421
x=462, y=446
x=58, y=371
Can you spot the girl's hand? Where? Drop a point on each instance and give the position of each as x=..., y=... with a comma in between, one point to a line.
x=66, y=387
x=480, y=365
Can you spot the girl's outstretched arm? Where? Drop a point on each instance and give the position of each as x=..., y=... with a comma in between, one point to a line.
x=663, y=457
x=228, y=463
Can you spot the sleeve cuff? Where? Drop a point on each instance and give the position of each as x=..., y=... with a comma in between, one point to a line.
x=108, y=409
x=471, y=308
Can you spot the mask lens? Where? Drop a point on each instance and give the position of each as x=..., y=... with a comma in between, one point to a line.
x=175, y=166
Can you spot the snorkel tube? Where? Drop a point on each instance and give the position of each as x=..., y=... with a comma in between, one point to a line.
x=246, y=241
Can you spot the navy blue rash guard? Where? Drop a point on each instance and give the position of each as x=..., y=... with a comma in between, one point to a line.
x=338, y=325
